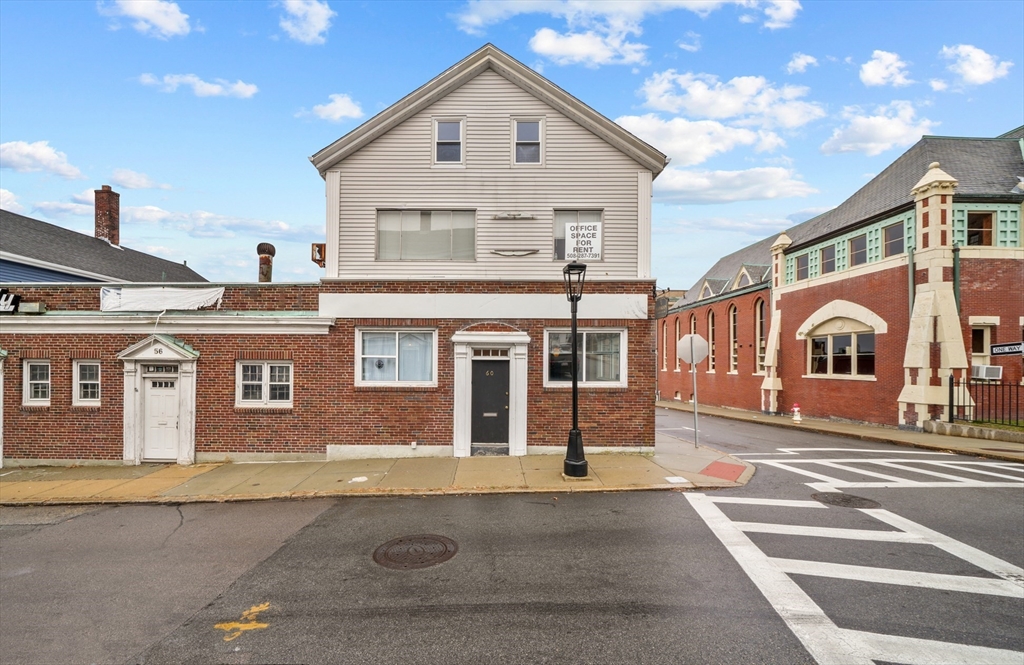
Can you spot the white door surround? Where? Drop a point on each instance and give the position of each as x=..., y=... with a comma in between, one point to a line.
x=159, y=351
x=517, y=344
x=161, y=410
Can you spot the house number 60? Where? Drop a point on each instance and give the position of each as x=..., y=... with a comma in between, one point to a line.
x=489, y=372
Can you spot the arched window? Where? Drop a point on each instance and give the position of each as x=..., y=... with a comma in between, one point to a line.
x=841, y=347
x=693, y=324
x=734, y=344
x=664, y=346
x=679, y=335
x=760, y=332
x=711, y=341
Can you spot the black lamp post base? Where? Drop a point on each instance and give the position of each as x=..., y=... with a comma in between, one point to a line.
x=575, y=465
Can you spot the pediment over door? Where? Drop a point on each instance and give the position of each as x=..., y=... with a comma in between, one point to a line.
x=159, y=347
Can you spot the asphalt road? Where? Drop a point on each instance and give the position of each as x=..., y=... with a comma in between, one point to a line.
x=760, y=574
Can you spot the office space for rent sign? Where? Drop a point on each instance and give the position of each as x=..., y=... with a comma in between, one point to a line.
x=583, y=241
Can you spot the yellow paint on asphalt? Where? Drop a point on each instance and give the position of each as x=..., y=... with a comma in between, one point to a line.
x=247, y=622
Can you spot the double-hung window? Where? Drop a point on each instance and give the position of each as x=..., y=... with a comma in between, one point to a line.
x=979, y=228
x=396, y=357
x=563, y=217
x=827, y=260
x=36, y=385
x=528, y=144
x=892, y=236
x=263, y=383
x=426, y=235
x=87, y=383
x=448, y=140
x=858, y=250
x=600, y=358
x=802, y=267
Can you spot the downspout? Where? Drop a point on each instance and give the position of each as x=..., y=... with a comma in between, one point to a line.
x=910, y=279
x=956, y=276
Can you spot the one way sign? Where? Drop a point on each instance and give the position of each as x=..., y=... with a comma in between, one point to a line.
x=1011, y=349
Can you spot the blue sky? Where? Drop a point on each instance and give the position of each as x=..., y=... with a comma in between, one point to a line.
x=203, y=114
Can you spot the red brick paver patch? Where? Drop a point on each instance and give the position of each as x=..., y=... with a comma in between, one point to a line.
x=722, y=470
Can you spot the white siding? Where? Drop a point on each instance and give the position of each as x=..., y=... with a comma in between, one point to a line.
x=580, y=171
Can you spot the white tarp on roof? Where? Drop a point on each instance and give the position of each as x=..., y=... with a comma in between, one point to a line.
x=157, y=298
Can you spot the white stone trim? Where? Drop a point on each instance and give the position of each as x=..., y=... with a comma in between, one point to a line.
x=98, y=324
x=842, y=275
x=983, y=320
x=518, y=344
x=845, y=309
x=154, y=349
x=486, y=306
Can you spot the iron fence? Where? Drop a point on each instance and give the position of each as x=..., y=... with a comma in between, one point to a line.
x=982, y=401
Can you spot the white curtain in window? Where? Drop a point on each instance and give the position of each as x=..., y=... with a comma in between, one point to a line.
x=379, y=356
x=415, y=356
x=389, y=235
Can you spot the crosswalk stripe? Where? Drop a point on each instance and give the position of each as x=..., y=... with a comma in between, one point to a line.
x=828, y=532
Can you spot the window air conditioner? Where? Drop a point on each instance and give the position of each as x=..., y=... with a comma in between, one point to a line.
x=988, y=372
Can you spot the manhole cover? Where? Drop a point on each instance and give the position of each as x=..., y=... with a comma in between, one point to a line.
x=845, y=500
x=410, y=552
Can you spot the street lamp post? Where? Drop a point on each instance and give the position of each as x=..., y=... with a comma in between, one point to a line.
x=575, y=463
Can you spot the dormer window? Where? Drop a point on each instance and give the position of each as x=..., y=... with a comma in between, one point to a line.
x=448, y=140
x=527, y=137
x=706, y=292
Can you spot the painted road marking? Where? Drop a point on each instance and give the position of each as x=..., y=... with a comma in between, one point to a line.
x=824, y=640
x=797, y=451
x=246, y=623
x=855, y=466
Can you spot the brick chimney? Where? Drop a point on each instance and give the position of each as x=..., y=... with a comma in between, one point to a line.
x=108, y=215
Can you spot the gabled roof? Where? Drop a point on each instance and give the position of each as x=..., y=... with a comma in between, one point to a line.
x=490, y=57
x=40, y=243
x=989, y=169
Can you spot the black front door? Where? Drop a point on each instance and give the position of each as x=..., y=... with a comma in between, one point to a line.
x=490, y=401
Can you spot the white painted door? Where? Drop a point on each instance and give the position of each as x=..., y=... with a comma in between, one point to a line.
x=161, y=436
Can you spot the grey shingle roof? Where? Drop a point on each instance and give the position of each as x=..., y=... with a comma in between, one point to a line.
x=1014, y=133
x=982, y=167
x=34, y=239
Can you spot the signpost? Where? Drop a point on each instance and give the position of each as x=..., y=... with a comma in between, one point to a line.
x=1009, y=349
x=693, y=349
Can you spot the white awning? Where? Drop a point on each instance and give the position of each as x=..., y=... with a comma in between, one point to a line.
x=158, y=299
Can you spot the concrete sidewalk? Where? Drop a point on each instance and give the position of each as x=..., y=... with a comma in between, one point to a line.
x=684, y=467
x=1003, y=450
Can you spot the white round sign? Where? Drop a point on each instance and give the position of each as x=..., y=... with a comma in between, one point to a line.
x=692, y=349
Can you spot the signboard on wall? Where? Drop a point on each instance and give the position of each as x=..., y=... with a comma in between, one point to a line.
x=583, y=241
x=8, y=302
x=1010, y=349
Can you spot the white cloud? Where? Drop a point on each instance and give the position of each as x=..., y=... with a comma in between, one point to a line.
x=938, y=85
x=894, y=125
x=134, y=180
x=692, y=142
x=683, y=186
x=974, y=66
x=884, y=68
x=307, y=21
x=587, y=48
x=692, y=44
x=61, y=209
x=201, y=88
x=87, y=196
x=750, y=99
x=780, y=13
x=203, y=224
x=156, y=18
x=39, y=156
x=8, y=201
x=339, y=108
x=477, y=15
x=800, y=62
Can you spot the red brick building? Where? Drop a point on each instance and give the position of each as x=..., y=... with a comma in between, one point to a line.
x=864, y=312
x=440, y=327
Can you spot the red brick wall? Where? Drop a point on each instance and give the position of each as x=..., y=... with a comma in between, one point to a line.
x=718, y=388
x=327, y=407
x=994, y=288
x=883, y=292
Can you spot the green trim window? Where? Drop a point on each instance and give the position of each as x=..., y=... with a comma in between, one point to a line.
x=827, y=259
x=979, y=228
x=892, y=237
x=802, y=262
x=858, y=250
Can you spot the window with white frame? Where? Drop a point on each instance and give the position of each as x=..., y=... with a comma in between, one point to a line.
x=981, y=343
x=426, y=235
x=87, y=383
x=448, y=140
x=563, y=217
x=711, y=341
x=760, y=328
x=601, y=357
x=36, y=385
x=664, y=346
x=679, y=335
x=846, y=354
x=734, y=344
x=264, y=383
x=528, y=147
x=396, y=357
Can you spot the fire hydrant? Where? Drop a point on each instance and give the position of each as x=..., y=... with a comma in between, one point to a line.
x=796, y=413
